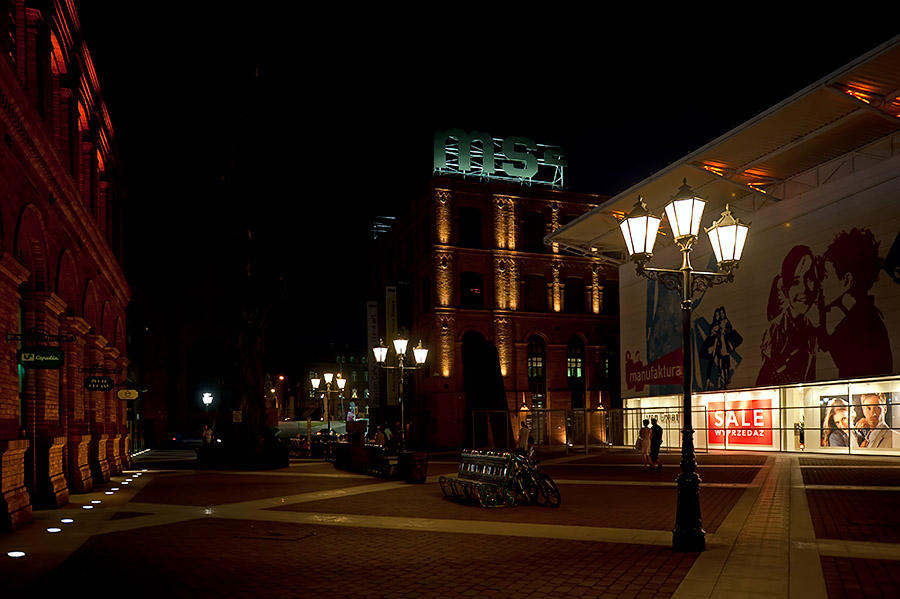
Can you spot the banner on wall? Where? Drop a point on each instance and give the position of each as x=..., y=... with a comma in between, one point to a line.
x=817, y=298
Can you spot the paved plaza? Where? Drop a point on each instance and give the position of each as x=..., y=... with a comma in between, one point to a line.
x=779, y=525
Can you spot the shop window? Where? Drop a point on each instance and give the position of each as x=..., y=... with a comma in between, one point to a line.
x=537, y=379
x=575, y=371
x=535, y=293
x=472, y=290
x=469, y=227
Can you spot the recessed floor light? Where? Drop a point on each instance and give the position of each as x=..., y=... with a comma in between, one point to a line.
x=125, y=482
x=54, y=530
x=114, y=489
x=87, y=507
x=67, y=521
x=16, y=553
x=96, y=501
x=110, y=493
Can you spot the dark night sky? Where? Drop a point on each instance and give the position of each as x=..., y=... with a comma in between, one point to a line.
x=338, y=124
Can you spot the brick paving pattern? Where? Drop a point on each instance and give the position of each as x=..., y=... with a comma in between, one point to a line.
x=849, y=476
x=673, y=458
x=213, y=488
x=853, y=578
x=708, y=474
x=871, y=461
x=582, y=505
x=855, y=515
x=217, y=558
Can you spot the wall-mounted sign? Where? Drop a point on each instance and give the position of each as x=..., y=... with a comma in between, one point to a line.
x=99, y=383
x=515, y=159
x=127, y=394
x=237, y=416
x=40, y=357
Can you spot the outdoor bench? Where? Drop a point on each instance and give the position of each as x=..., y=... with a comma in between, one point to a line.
x=484, y=477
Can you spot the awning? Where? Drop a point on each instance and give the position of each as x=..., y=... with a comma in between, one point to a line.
x=749, y=166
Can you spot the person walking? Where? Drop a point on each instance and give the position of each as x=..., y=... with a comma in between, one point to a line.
x=656, y=436
x=524, y=434
x=645, y=437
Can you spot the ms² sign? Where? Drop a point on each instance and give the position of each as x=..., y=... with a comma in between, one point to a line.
x=516, y=159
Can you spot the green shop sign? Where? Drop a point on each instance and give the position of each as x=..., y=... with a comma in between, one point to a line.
x=40, y=357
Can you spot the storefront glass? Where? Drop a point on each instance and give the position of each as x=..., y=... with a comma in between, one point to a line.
x=860, y=417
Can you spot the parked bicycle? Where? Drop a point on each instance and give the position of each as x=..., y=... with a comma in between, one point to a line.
x=531, y=485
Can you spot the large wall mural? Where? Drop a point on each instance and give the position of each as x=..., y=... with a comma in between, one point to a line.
x=817, y=298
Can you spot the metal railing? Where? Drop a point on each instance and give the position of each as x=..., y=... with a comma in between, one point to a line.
x=783, y=429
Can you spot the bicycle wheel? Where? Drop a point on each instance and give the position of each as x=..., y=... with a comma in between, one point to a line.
x=523, y=489
x=549, y=492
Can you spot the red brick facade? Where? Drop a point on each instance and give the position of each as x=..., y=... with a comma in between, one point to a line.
x=472, y=259
x=61, y=282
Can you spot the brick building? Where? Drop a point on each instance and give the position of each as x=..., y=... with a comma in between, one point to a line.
x=61, y=282
x=508, y=320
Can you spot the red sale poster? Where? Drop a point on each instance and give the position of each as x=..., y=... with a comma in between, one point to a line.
x=747, y=422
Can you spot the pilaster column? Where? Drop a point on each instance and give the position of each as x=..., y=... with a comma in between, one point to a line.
x=596, y=290
x=111, y=426
x=554, y=224
x=443, y=216
x=75, y=413
x=43, y=419
x=125, y=436
x=556, y=289
x=15, y=501
x=503, y=341
x=444, y=277
x=96, y=407
x=446, y=323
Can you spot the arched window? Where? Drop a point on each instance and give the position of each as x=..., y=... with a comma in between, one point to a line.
x=537, y=377
x=575, y=370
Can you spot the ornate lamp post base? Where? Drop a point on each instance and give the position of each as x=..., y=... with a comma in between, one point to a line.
x=688, y=534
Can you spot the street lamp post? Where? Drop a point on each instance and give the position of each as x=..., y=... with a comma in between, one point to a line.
x=207, y=401
x=420, y=354
x=329, y=377
x=727, y=236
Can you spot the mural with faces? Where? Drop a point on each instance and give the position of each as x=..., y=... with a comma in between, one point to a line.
x=823, y=304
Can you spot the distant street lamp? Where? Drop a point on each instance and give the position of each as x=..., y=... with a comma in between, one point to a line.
x=329, y=377
x=420, y=354
x=727, y=236
x=207, y=401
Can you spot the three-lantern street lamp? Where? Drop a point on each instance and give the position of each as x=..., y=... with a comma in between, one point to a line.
x=727, y=236
x=419, y=353
x=329, y=377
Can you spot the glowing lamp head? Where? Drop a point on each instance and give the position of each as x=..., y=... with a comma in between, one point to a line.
x=341, y=382
x=315, y=382
x=639, y=229
x=684, y=212
x=400, y=346
x=380, y=352
x=727, y=236
x=420, y=353
x=207, y=399
x=329, y=376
